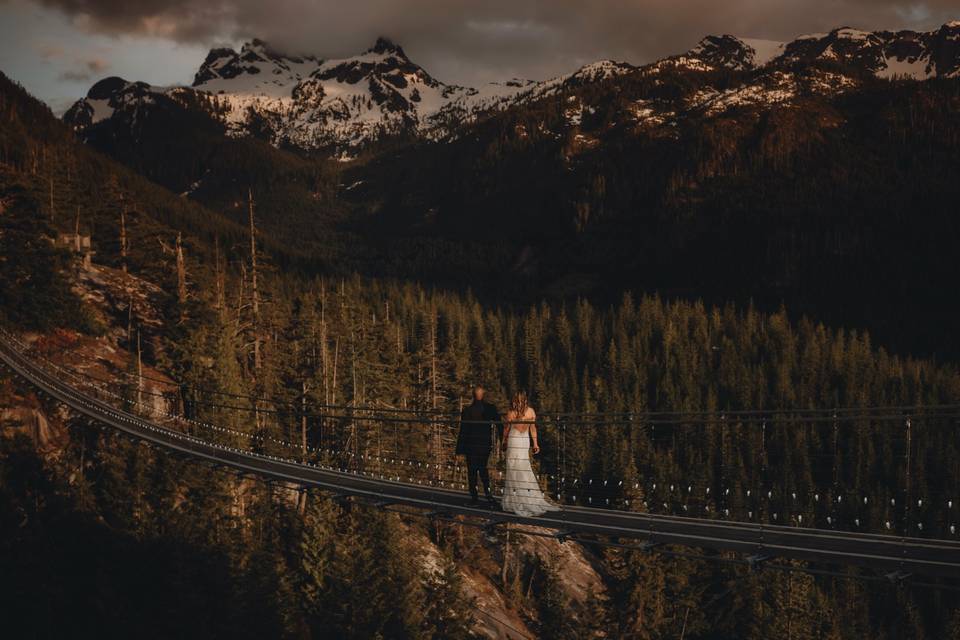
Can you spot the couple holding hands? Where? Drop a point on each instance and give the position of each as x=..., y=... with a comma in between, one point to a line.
x=521, y=491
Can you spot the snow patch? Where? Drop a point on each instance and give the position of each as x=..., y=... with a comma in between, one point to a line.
x=853, y=34
x=100, y=110
x=777, y=88
x=914, y=69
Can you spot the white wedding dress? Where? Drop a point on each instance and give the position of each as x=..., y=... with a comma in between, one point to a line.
x=521, y=491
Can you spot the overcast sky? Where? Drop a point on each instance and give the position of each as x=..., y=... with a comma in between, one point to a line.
x=57, y=48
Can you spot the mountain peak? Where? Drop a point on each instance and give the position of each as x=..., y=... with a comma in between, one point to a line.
x=266, y=51
x=725, y=51
x=386, y=45
x=849, y=33
x=104, y=89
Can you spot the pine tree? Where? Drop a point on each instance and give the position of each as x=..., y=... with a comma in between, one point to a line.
x=553, y=605
x=317, y=547
x=596, y=623
x=954, y=628
x=372, y=588
x=449, y=612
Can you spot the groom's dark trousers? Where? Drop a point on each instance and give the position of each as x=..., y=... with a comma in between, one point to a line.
x=475, y=442
x=477, y=466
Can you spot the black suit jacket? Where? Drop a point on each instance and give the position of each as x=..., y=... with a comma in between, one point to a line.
x=475, y=422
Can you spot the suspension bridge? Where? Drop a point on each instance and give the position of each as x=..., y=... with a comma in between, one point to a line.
x=896, y=557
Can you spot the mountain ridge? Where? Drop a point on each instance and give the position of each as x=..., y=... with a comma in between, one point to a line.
x=344, y=105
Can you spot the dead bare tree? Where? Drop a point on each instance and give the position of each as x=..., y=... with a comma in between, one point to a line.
x=181, y=277
x=240, y=305
x=336, y=353
x=433, y=365
x=139, y=371
x=123, y=235
x=220, y=301
x=130, y=320
x=303, y=418
x=254, y=284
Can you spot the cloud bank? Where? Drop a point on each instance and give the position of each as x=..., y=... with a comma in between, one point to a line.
x=466, y=40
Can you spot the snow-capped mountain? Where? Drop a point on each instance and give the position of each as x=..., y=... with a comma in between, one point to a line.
x=310, y=103
x=741, y=54
x=884, y=53
x=343, y=105
x=917, y=55
x=778, y=73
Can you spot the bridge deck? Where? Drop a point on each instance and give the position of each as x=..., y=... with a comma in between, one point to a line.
x=882, y=552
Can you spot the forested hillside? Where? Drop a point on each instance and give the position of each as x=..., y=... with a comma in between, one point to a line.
x=841, y=207
x=53, y=184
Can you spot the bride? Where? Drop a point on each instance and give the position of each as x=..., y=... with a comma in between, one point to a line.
x=521, y=491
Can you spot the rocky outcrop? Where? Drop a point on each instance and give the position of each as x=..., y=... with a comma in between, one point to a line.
x=29, y=422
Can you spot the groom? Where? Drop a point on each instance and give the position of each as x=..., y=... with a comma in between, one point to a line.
x=475, y=442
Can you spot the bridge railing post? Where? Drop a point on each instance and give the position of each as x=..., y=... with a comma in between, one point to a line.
x=908, y=494
x=556, y=466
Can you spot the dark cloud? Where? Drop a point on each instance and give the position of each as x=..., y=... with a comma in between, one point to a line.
x=50, y=51
x=75, y=75
x=467, y=40
x=85, y=71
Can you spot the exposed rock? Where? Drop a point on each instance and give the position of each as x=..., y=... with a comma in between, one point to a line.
x=30, y=422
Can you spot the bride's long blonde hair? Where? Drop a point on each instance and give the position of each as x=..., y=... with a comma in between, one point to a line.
x=519, y=405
